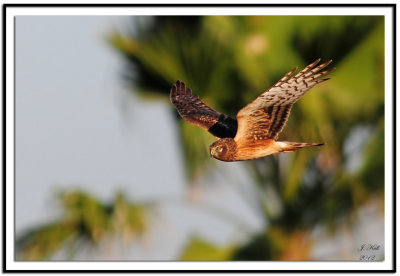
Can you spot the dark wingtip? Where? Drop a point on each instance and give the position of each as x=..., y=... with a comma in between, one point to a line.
x=175, y=86
x=322, y=80
x=315, y=62
x=179, y=88
x=327, y=63
x=179, y=84
x=291, y=72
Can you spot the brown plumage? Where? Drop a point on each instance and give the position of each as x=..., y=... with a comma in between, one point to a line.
x=254, y=133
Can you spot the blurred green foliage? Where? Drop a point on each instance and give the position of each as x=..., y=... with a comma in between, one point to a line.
x=201, y=250
x=85, y=219
x=228, y=61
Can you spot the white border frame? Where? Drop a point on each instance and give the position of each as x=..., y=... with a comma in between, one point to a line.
x=11, y=264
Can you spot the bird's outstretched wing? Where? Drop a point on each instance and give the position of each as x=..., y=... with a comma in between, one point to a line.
x=265, y=117
x=196, y=112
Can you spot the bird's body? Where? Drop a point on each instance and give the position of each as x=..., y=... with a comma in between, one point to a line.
x=257, y=149
x=254, y=133
x=242, y=151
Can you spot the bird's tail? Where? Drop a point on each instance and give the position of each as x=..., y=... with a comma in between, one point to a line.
x=292, y=146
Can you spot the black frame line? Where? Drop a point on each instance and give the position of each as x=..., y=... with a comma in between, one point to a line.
x=4, y=13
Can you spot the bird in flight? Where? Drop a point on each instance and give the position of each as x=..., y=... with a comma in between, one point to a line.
x=255, y=131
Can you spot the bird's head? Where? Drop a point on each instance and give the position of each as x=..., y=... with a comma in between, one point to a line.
x=223, y=149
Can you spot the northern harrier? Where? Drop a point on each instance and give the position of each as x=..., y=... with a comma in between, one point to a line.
x=254, y=133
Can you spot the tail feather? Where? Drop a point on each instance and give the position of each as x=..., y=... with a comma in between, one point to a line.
x=292, y=146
